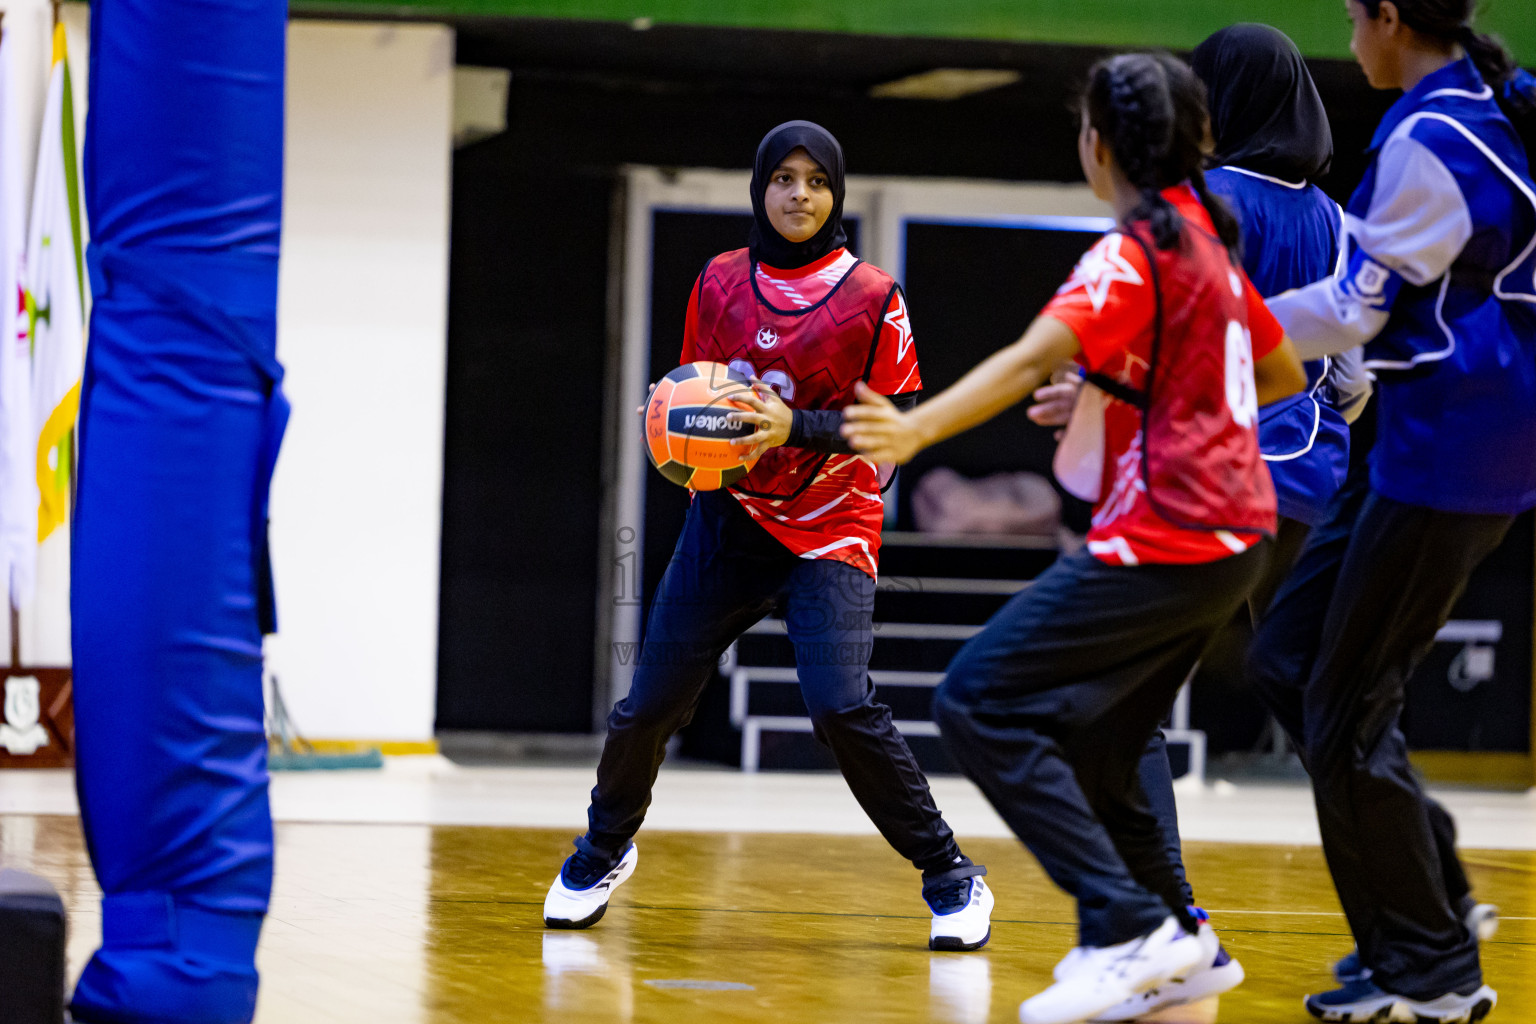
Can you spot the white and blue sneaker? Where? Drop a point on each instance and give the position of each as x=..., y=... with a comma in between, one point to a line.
x=579, y=896
x=1092, y=979
x=1482, y=920
x=1216, y=973
x=1362, y=1002
x=962, y=915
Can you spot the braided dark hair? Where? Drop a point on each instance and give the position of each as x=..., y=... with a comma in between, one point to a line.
x=1151, y=111
x=1451, y=21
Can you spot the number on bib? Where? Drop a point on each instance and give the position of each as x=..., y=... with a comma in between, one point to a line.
x=776, y=379
x=1242, y=393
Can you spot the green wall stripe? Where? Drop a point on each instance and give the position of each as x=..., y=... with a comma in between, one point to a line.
x=1319, y=27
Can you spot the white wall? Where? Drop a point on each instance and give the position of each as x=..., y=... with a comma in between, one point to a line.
x=362, y=330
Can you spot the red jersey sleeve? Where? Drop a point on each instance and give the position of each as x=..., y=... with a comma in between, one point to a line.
x=1262, y=325
x=1108, y=301
x=691, y=326
x=894, y=370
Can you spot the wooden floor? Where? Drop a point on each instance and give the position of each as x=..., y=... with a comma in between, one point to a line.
x=403, y=923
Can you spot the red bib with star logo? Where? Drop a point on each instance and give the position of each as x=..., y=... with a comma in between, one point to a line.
x=1169, y=339
x=812, y=334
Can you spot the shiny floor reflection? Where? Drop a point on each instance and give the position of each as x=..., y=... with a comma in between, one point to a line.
x=421, y=925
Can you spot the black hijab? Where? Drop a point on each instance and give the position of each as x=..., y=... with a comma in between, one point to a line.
x=1266, y=114
x=767, y=245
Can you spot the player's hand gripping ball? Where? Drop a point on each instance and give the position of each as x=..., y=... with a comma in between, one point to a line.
x=688, y=431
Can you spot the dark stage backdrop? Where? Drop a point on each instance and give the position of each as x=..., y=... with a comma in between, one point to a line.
x=522, y=491
x=971, y=289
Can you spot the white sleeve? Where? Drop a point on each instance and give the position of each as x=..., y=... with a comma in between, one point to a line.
x=1351, y=382
x=1321, y=320
x=1413, y=230
x=1418, y=222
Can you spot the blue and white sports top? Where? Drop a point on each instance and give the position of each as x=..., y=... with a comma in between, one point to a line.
x=1440, y=281
x=1291, y=238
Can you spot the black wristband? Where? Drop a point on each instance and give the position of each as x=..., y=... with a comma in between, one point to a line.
x=818, y=430
x=821, y=430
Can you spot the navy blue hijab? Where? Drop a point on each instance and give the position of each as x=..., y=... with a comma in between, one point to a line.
x=1266, y=115
x=767, y=245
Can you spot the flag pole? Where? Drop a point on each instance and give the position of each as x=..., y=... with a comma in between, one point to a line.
x=72, y=473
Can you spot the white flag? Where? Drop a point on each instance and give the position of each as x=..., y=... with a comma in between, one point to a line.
x=55, y=300
x=18, y=439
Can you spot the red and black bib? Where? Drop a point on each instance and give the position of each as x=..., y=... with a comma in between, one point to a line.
x=811, y=356
x=1200, y=457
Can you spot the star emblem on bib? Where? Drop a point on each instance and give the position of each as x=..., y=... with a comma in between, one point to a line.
x=897, y=318
x=1099, y=269
x=767, y=337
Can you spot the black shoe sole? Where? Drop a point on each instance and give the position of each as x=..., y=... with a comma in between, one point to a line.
x=1381, y=1016
x=950, y=944
x=586, y=922
x=1482, y=1009
x=1384, y=1015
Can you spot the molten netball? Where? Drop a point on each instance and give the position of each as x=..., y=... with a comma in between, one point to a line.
x=687, y=433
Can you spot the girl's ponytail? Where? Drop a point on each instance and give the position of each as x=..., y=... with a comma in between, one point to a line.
x=1227, y=226
x=1513, y=87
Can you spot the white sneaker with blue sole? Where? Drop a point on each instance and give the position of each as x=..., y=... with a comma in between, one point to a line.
x=962, y=916
x=565, y=907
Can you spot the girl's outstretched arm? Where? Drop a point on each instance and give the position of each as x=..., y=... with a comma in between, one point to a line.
x=876, y=428
x=1279, y=374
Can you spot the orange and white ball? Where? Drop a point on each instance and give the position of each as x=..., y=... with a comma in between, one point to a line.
x=687, y=434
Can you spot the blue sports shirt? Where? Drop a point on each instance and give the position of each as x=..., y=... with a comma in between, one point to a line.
x=1290, y=239
x=1440, y=282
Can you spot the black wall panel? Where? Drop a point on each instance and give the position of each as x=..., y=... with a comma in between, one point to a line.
x=971, y=289
x=521, y=481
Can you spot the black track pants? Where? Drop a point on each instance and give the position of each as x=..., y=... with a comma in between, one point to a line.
x=726, y=573
x=1332, y=658
x=1051, y=706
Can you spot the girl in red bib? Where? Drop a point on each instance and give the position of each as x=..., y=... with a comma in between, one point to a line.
x=1050, y=707
x=807, y=320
